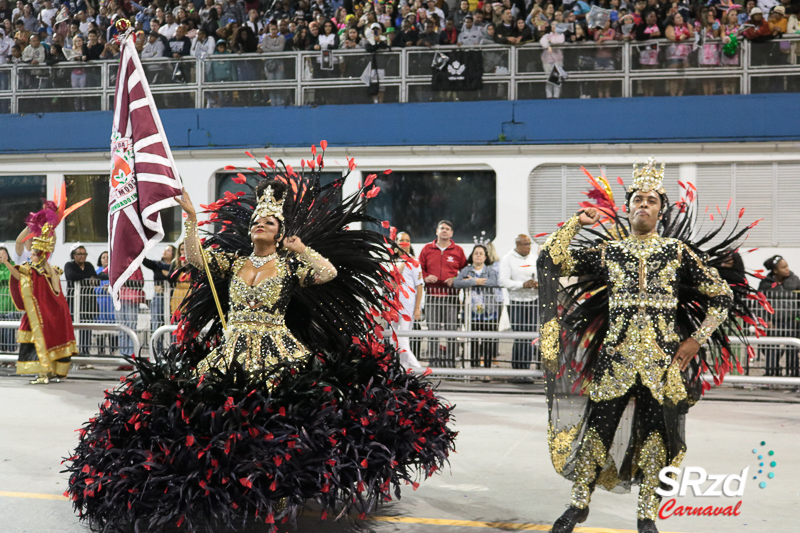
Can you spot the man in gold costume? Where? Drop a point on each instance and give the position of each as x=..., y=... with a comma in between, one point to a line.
x=634, y=349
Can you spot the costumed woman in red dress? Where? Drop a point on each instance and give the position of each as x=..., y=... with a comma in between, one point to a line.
x=46, y=338
x=286, y=393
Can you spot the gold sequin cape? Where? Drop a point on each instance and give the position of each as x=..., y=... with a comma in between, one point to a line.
x=596, y=345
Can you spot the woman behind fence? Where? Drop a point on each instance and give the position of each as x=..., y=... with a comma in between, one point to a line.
x=410, y=293
x=552, y=58
x=483, y=297
x=681, y=34
x=709, y=54
x=778, y=286
x=730, y=27
x=105, y=307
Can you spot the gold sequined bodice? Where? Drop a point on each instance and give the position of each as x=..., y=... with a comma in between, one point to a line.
x=264, y=302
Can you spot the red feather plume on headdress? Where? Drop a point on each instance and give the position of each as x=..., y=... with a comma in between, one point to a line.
x=601, y=194
x=47, y=215
x=52, y=212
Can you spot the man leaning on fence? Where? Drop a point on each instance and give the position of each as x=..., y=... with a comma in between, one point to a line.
x=441, y=260
x=518, y=275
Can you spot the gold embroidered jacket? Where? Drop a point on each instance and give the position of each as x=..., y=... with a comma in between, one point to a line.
x=642, y=275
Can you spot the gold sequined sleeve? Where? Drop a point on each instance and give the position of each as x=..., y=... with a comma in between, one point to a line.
x=571, y=262
x=708, y=281
x=314, y=269
x=219, y=262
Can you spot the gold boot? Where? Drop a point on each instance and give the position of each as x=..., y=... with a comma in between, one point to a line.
x=41, y=380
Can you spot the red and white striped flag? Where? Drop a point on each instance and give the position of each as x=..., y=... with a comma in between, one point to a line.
x=144, y=179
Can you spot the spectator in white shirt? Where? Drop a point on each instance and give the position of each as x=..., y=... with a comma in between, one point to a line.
x=34, y=53
x=202, y=45
x=170, y=26
x=5, y=52
x=83, y=23
x=518, y=275
x=431, y=9
x=410, y=294
x=47, y=14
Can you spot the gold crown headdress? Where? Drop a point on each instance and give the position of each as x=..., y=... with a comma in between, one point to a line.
x=648, y=178
x=269, y=206
x=46, y=240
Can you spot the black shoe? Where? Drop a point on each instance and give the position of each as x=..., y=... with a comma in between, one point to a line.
x=646, y=526
x=566, y=522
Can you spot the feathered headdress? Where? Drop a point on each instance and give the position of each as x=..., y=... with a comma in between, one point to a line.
x=43, y=223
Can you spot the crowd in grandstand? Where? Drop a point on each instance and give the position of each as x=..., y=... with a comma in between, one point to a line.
x=46, y=31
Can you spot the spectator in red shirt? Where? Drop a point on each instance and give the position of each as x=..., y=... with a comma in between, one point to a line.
x=441, y=261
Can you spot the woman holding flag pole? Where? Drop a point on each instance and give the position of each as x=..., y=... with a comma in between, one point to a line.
x=281, y=388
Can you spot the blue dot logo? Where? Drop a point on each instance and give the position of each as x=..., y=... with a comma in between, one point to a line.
x=772, y=464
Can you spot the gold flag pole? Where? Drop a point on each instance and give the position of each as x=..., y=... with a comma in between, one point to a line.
x=213, y=287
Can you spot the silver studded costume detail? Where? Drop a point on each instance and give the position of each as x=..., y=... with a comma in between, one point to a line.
x=597, y=434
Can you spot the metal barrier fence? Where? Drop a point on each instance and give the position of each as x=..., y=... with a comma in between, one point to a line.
x=120, y=330
x=651, y=68
x=471, y=328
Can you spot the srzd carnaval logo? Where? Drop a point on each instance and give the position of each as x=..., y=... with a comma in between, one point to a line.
x=730, y=486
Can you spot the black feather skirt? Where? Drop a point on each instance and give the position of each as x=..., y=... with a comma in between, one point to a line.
x=229, y=449
x=345, y=426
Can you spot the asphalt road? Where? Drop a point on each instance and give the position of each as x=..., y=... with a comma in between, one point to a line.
x=500, y=479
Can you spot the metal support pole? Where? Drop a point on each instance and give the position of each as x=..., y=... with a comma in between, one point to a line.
x=745, y=56
x=76, y=302
x=627, y=89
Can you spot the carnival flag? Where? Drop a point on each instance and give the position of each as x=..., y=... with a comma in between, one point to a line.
x=143, y=179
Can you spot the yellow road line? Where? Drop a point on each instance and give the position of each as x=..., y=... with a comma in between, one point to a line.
x=511, y=526
x=31, y=495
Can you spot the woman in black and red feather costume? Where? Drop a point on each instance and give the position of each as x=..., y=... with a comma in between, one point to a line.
x=297, y=397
